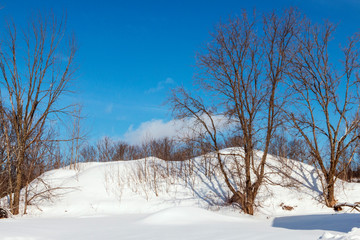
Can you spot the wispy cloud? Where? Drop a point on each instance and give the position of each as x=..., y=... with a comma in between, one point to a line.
x=157, y=128
x=153, y=129
x=161, y=85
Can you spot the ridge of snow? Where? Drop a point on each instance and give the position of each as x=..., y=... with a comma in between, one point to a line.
x=98, y=194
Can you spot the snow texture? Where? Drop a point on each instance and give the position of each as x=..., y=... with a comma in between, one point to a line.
x=114, y=201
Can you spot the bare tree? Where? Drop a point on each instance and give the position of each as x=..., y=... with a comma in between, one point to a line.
x=279, y=146
x=325, y=111
x=121, y=149
x=298, y=150
x=77, y=137
x=36, y=69
x=241, y=69
x=38, y=159
x=7, y=154
x=162, y=148
x=89, y=153
x=106, y=150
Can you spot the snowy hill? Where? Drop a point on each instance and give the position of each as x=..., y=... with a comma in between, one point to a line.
x=118, y=198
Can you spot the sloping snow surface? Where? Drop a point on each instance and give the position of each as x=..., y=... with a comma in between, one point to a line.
x=154, y=199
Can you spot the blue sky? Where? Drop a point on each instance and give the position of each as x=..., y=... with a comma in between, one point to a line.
x=132, y=52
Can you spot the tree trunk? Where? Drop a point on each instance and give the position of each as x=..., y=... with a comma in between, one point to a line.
x=330, y=193
x=249, y=204
x=16, y=200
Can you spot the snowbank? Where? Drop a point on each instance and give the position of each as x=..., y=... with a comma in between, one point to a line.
x=114, y=200
x=354, y=234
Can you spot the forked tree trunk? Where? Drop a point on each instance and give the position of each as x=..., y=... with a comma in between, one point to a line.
x=249, y=204
x=246, y=201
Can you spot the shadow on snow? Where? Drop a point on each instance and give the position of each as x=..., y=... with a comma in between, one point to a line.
x=335, y=222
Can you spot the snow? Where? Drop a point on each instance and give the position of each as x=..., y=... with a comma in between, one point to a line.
x=201, y=224
x=114, y=201
x=354, y=234
x=186, y=216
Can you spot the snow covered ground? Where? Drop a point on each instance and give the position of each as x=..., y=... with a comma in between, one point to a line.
x=148, y=199
x=180, y=223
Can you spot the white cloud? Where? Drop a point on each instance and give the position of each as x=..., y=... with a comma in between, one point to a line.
x=157, y=128
x=153, y=129
x=161, y=85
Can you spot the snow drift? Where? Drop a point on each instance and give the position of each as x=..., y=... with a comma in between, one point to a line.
x=151, y=192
